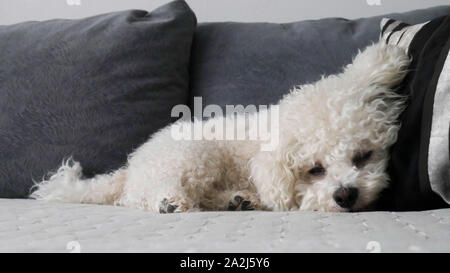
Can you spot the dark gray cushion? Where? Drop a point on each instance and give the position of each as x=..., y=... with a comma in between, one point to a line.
x=93, y=88
x=256, y=63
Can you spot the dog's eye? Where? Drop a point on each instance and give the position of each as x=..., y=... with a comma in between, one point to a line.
x=318, y=170
x=361, y=158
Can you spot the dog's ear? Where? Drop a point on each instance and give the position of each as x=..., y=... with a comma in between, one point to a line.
x=378, y=65
x=274, y=181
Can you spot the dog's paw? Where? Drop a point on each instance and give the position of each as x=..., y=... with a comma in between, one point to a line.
x=166, y=207
x=242, y=202
x=173, y=205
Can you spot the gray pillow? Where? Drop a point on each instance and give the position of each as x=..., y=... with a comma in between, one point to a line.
x=256, y=63
x=93, y=89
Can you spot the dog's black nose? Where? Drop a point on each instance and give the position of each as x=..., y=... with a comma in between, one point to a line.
x=346, y=197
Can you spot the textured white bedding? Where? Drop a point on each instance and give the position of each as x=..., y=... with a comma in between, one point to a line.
x=34, y=226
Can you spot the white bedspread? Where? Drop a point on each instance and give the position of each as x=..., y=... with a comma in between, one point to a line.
x=34, y=226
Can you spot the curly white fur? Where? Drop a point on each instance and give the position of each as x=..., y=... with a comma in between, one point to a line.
x=326, y=123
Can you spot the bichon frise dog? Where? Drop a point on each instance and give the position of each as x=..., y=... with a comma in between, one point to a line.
x=332, y=153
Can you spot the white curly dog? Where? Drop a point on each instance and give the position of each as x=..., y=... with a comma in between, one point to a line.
x=332, y=154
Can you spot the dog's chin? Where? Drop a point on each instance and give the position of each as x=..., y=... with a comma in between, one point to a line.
x=333, y=209
x=324, y=208
x=337, y=209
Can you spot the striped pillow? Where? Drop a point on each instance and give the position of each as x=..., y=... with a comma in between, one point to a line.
x=420, y=160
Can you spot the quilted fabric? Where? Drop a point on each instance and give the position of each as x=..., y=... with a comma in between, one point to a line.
x=34, y=226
